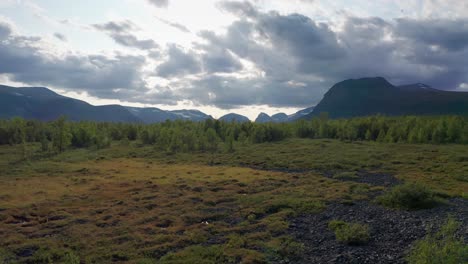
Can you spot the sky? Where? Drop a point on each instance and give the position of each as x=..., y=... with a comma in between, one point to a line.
x=229, y=56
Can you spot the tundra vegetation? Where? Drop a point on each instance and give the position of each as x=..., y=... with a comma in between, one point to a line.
x=215, y=192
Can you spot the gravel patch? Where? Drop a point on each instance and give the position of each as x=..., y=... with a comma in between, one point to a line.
x=392, y=231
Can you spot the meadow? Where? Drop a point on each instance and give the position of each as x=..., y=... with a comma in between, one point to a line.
x=133, y=203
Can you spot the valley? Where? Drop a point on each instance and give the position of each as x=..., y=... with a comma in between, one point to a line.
x=135, y=204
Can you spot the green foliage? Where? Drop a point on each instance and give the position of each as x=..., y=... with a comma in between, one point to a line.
x=350, y=233
x=49, y=256
x=285, y=248
x=197, y=254
x=289, y=248
x=61, y=137
x=6, y=257
x=440, y=247
x=185, y=136
x=409, y=196
x=335, y=224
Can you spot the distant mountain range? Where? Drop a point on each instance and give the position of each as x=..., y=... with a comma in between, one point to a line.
x=350, y=98
x=282, y=117
x=43, y=104
x=155, y=115
x=371, y=96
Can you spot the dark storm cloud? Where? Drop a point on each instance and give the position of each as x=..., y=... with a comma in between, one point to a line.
x=5, y=30
x=105, y=77
x=231, y=92
x=262, y=58
x=302, y=58
x=449, y=34
x=120, y=32
x=159, y=3
x=179, y=63
x=220, y=61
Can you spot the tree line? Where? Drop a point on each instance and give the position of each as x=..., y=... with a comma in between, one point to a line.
x=207, y=136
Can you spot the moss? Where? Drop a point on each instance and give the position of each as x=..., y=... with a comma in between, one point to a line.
x=350, y=233
x=410, y=196
x=197, y=254
x=440, y=247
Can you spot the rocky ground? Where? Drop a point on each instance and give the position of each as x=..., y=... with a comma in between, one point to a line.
x=392, y=231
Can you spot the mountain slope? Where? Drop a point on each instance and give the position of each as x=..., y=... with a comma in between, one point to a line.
x=232, y=117
x=43, y=104
x=152, y=115
x=193, y=115
x=301, y=113
x=282, y=117
x=263, y=118
x=156, y=115
x=370, y=96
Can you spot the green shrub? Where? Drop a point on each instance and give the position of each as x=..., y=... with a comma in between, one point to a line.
x=197, y=254
x=350, y=233
x=335, y=224
x=285, y=248
x=46, y=256
x=410, y=196
x=6, y=256
x=440, y=247
x=290, y=248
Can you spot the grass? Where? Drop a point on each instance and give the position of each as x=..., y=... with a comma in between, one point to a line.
x=346, y=176
x=135, y=204
x=440, y=247
x=350, y=233
x=410, y=196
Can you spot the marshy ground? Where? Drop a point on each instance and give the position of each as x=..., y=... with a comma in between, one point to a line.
x=261, y=203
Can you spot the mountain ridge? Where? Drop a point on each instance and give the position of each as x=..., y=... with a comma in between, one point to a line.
x=372, y=96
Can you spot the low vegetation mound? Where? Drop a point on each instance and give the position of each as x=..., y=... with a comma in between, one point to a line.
x=409, y=196
x=440, y=247
x=350, y=233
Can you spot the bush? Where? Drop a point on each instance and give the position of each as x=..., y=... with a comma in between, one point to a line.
x=46, y=255
x=284, y=248
x=197, y=254
x=350, y=233
x=335, y=224
x=6, y=256
x=441, y=247
x=410, y=196
x=290, y=249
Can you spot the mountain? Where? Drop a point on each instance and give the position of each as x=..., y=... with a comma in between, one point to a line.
x=152, y=115
x=370, y=96
x=43, y=104
x=301, y=113
x=277, y=118
x=282, y=117
x=193, y=115
x=232, y=117
x=155, y=115
x=263, y=118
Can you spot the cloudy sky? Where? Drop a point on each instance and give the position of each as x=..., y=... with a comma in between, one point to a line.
x=229, y=56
